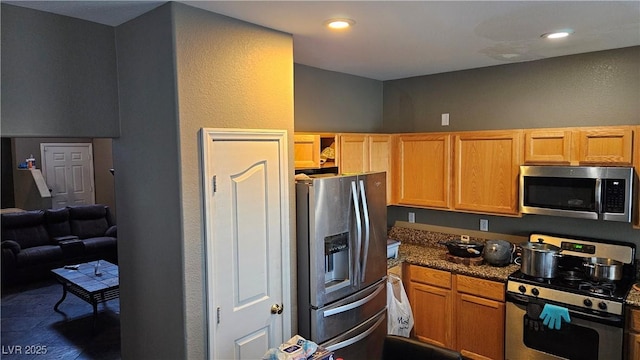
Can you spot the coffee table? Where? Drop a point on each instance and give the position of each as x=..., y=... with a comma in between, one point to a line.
x=85, y=284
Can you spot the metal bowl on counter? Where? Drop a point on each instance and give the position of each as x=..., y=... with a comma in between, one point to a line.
x=498, y=252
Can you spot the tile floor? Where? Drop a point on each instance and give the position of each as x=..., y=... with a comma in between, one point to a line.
x=29, y=324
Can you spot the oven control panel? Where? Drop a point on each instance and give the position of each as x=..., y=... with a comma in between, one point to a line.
x=583, y=248
x=578, y=247
x=564, y=297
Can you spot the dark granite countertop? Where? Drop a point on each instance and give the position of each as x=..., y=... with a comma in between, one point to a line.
x=423, y=248
x=633, y=298
x=434, y=257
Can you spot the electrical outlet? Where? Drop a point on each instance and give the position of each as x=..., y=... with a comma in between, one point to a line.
x=484, y=225
x=464, y=238
x=412, y=217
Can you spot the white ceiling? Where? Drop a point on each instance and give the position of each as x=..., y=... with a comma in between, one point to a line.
x=399, y=39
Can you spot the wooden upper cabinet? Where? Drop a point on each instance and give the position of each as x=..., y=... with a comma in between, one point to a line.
x=365, y=153
x=579, y=146
x=422, y=170
x=547, y=146
x=486, y=167
x=354, y=153
x=308, y=150
x=609, y=145
x=380, y=154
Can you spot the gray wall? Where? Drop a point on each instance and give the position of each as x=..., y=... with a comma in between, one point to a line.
x=58, y=76
x=336, y=102
x=181, y=69
x=599, y=88
x=146, y=156
x=609, y=230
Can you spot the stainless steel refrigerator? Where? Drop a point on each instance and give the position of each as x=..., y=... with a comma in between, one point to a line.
x=342, y=263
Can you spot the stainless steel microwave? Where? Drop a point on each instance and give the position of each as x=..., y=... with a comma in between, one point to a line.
x=587, y=192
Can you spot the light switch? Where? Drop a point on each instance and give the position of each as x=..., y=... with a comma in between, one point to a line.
x=445, y=119
x=412, y=217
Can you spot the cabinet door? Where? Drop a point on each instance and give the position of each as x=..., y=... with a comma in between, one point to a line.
x=606, y=146
x=354, y=153
x=479, y=327
x=380, y=158
x=432, y=314
x=548, y=146
x=633, y=342
x=422, y=170
x=486, y=171
x=306, y=151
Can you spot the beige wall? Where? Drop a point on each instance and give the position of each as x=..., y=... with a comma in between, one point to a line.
x=230, y=74
x=181, y=69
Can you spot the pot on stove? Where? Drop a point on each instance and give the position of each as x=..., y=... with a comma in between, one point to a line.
x=539, y=260
x=603, y=269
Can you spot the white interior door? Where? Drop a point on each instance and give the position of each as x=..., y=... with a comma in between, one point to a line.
x=247, y=244
x=68, y=171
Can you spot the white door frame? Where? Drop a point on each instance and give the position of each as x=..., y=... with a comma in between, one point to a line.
x=208, y=135
x=43, y=157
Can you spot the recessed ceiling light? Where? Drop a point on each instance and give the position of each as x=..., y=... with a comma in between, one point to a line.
x=339, y=23
x=557, y=34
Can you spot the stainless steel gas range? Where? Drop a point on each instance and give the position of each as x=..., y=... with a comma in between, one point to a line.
x=595, y=308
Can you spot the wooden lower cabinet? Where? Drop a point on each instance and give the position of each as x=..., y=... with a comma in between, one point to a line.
x=432, y=314
x=458, y=312
x=479, y=327
x=633, y=334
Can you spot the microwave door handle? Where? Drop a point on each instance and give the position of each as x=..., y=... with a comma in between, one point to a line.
x=367, y=228
x=599, y=209
x=356, y=205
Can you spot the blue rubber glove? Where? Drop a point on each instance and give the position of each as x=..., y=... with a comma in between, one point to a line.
x=553, y=315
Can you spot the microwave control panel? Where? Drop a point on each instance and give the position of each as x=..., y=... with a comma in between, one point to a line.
x=614, y=196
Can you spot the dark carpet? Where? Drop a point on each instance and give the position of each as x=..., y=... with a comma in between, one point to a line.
x=31, y=329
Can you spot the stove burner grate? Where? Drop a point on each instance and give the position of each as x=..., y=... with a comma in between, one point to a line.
x=600, y=288
x=572, y=276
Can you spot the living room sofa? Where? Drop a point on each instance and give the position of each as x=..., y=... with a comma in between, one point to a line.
x=34, y=242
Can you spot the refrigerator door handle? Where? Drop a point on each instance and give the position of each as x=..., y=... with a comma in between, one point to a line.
x=353, y=305
x=356, y=205
x=357, y=338
x=367, y=228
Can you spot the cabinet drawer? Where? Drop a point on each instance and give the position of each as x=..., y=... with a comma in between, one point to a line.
x=634, y=320
x=484, y=288
x=431, y=276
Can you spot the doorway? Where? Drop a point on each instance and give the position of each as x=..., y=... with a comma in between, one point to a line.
x=68, y=171
x=246, y=205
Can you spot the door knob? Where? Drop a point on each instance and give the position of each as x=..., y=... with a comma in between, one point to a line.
x=277, y=309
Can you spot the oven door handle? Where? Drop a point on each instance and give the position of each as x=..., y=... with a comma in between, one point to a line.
x=613, y=320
